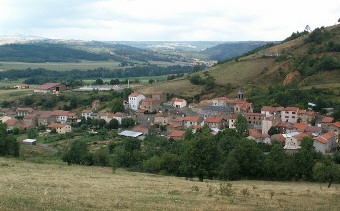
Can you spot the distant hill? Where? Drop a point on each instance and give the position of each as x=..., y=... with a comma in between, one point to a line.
x=231, y=49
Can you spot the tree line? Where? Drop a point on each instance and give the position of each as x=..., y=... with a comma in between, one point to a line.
x=41, y=75
x=229, y=155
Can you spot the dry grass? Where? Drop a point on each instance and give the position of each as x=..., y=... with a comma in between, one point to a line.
x=28, y=186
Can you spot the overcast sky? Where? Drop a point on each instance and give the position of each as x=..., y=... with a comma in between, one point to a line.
x=165, y=20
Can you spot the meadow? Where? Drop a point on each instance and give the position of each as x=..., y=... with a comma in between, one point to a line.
x=56, y=186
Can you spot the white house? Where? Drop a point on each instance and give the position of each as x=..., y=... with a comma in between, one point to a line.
x=289, y=114
x=134, y=100
x=178, y=102
x=60, y=115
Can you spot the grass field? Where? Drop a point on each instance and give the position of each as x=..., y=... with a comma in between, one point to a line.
x=32, y=186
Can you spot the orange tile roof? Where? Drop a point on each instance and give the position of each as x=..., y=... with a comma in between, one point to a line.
x=177, y=133
x=24, y=109
x=11, y=122
x=321, y=140
x=177, y=99
x=253, y=114
x=301, y=136
x=30, y=116
x=141, y=110
x=336, y=124
x=327, y=119
x=213, y=119
x=291, y=109
x=86, y=111
x=175, y=124
x=278, y=137
x=148, y=100
x=328, y=135
x=220, y=98
x=47, y=86
x=59, y=113
x=300, y=127
x=192, y=118
x=56, y=125
x=161, y=115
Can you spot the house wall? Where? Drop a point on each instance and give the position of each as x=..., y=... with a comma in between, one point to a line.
x=289, y=116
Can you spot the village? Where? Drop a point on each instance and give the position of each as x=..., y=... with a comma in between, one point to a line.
x=174, y=116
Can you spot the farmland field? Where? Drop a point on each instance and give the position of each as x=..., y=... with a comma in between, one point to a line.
x=32, y=186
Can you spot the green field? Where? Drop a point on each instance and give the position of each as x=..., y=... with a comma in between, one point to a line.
x=33, y=186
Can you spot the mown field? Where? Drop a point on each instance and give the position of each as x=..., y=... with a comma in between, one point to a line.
x=31, y=186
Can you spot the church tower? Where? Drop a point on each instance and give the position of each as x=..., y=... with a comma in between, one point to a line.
x=240, y=94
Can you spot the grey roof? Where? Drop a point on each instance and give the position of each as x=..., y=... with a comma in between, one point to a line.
x=129, y=133
x=217, y=108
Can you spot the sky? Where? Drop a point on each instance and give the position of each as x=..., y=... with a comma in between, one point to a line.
x=165, y=20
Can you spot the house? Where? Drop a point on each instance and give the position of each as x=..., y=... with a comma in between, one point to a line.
x=243, y=107
x=118, y=116
x=31, y=120
x=178, y=102
x=177, y=134
x=325, y=143
x=257, y=136
x=23, y=111
x=12, y=123
x=278, y=137
x=221, y=111
x=300, y=127
x=160, y=96
x=60, y=116
x=161, y=119
x=284, y=127
x=190, y=121
x=72, y=117
x=44, y=117
x=271, y=110
x=86, y=114
x=326, y=123
x=305, y=116
x=270, y=121
x=60, y=127
x=254, y=120
x=293, y=140
x=215, y=122
x=289, y=114
x=232, y=120
x=21, y=86
x=4, y=118
x=335, y=128
x=134, y=100
x=175, y=124
x=50, y=88
x=149, y=104
x=219, y=101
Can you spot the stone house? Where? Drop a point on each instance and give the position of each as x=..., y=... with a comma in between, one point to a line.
x=23, y=111
x=215, y=122
x=325, y=143
x=160, y=96
x=289, y=114
x=191, y=121
x=149, y=104
x=161, y=119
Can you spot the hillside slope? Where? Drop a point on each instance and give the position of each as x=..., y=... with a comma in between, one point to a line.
x=314, y=59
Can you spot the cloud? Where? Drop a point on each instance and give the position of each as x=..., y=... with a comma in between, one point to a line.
x=164, y=20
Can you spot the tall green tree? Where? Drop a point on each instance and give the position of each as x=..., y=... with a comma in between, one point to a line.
x=200, y=156
x=9, y=146
x=275, y=163
x=77, y=153
x=117, y=105
x=241, y=125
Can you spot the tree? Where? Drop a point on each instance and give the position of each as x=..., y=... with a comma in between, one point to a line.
x=272, y=131
x=128, y=122
x=241, y=125
x=117, y=105
x=101, y=157
x=326, y=171
x=113, y=124
x=32, y=133
x=99, y=81
x=275, y=163
x=8, y=144
x=200, y=156
x=78, y=153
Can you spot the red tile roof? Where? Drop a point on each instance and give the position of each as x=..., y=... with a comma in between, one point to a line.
x=25, y=109
x=300, y=127
x=148, y=100
x=301, y=136
x=278, y=137
x=11, y=122
x=336, y=124
x=56, y=125
x=213, y=119
x=177, y=133
x=328, y=135
x=177, y=99
x=321, y=140
x=327, y=119
x=134, y=94
x=291, y=109
x=47, y=86
x=191, y=118
x=59, y=113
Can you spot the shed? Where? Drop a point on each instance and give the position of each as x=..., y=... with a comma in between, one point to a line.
x=30, y=141
x=129, y=133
